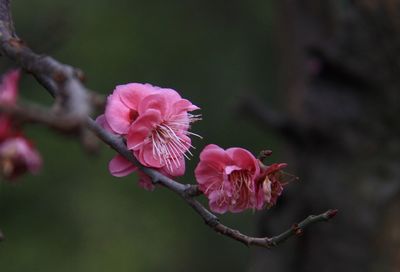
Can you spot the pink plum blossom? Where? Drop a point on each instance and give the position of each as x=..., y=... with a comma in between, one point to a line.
x=9, y=87
x=228, y=178
x=8, y=96
x=17, y=156
x=271, y=183
x=154, y=122
x=6, y=129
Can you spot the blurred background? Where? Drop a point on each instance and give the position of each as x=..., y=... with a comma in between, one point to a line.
x=315, y=81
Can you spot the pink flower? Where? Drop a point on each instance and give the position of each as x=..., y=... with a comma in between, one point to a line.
x=228, y=178
x=17, y=156
x=271, y=181
x=6, y=128
x=9, y=87
x=8, y=96
x=155, y=123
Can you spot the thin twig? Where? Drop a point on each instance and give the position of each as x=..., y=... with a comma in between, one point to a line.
x=274, y=241
x=60, y=80
x=188, y=192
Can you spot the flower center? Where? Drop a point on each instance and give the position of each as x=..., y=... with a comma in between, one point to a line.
x=133, y=115
x=168, y=146
x=242, y=184
x=170, y=141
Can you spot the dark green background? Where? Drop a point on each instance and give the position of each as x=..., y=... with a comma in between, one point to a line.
x=75, y=216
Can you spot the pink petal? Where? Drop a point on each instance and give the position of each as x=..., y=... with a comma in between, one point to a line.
x=172, y=95
x=147, y=158
x=156, y=102
x=117, y=114
x=133, y=93
x=217, y=203
x=244, y=159
x=142, y=128
x=21, y=154
x=9, y=87
x=260, y=200
x=120, y=167
x=101, y=120
x=6, y=129
x=208, y=178
x=215, y=156
x=184, y=105
x=137, y=137
x=229, y=169
x=34, y=161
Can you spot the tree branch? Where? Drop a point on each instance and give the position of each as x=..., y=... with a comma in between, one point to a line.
x=188, y=192
x=33, y=113
x=62, y=81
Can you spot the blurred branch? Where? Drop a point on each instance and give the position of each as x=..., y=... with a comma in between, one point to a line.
x=1, y=236
x=36, y=114
x=277, y=121
x=63, y=82
x=292, y=130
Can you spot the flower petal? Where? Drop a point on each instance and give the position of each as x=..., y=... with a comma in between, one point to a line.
x=117, y=114
x=9, y=87
x=142, y=128
x=184, y=105
x=217, y=203
x=244, y=159
x=120, y=167
x=208, y=178
x=101, y=121
x=132, y=94
x=215, y=156
x=154, y=101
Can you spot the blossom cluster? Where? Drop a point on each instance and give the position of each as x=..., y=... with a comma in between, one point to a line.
x=234, y=180
x=17, y=153
x=155, y=124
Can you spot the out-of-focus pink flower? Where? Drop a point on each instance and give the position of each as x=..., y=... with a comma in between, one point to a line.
x=155, y=123
x=270, y=183
x=227, y=178
x=6, y=128
x=8, y=96
x=9, y=87
x=17, y=156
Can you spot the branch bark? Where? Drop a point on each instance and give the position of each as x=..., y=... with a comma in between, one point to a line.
x=62, y=81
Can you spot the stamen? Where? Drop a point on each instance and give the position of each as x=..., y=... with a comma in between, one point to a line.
x=168, y=147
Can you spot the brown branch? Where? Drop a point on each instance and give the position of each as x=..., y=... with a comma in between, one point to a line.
x=188, y=192
x=1, y=236
x=32, y=113
x=279, y=122
x=60, y=80
x=274, y=241
x=289, y=128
